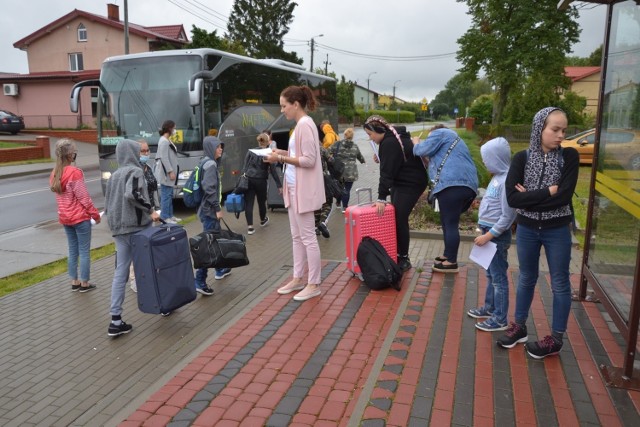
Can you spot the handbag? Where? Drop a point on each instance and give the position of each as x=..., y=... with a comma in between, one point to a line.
x=219, y=249
x=242, y=184
x=432, y=198
x=332, y=186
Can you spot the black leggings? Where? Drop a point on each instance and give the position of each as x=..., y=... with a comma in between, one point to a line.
x=257, y=188
x=403, y=202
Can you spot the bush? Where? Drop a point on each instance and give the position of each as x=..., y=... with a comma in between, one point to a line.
x=390, y=116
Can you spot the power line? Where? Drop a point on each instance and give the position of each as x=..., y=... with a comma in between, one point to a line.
x=387, y=57
x=197, y=15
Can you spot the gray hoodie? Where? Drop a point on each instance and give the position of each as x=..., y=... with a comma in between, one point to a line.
x=494, y=211
x=127, y=204
x=210, y=178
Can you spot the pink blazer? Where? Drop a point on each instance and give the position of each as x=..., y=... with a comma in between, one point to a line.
x=309, y=180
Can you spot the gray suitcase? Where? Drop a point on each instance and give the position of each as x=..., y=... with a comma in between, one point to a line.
x=274, y=198
x=163, y=269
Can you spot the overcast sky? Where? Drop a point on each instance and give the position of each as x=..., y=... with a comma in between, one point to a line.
x=425, y=28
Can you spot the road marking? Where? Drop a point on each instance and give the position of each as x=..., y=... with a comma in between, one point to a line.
x=37, y=190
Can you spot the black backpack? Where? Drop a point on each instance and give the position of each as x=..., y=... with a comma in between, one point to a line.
x=379, y=271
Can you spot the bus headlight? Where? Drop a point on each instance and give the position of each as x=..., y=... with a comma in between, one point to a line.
x=106, y=175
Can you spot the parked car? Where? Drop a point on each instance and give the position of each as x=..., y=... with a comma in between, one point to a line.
x=10, y=122
x=620, y=145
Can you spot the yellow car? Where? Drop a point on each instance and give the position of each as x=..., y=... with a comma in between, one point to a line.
x=620, y=146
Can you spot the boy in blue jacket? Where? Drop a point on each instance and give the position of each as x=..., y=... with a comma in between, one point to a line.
x=494, y=219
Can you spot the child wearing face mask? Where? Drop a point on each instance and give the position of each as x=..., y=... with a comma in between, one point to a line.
x=152, y=187
x=166, y=170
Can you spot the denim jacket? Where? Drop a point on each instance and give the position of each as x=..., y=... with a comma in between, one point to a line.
x=458, y=170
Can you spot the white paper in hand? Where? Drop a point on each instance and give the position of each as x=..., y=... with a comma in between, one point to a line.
x=483, y=255
x=264, y=152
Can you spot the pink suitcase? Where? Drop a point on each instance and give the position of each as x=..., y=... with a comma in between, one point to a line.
x=362, y=220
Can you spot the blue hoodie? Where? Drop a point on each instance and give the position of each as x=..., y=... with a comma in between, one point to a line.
x=458, y=170
x=210, y=178
x=495, y=212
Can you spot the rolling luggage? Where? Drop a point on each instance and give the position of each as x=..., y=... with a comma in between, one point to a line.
x=274, y=198
x=362, y=220
x=162, y=265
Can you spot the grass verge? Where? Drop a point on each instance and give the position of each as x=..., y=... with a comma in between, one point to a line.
x=39, y=274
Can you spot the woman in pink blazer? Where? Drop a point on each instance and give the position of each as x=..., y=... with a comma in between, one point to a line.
x=303, y=189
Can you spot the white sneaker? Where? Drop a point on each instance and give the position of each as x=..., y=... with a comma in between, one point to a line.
x=176, y=219
x=133, y=286
x=170, y=221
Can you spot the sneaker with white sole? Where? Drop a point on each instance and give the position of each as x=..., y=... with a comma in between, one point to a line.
x=176, y=219
x=479, y=313
x=117, y=330
x=251, y=230
x=291, y=287
x=490, y=325
x=204, y=290
x=513, y=335
x=222, y=273
x=264, y=221
x=133, y=286
x=548, y=346
x=307, y=293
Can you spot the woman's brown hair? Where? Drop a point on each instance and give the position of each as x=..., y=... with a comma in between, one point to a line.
x=302, y=94
x=64, y=152
x=167, y=126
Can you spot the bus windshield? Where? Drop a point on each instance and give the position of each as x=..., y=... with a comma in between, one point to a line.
x=141, y=94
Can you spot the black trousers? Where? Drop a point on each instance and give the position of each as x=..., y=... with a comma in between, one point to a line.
x=403, y=200
x=257, y=189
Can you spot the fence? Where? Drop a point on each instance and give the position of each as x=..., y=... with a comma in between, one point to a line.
x=514, y=133
x=50, y=121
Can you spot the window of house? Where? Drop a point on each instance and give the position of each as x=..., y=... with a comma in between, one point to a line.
x=94, y=101
x=82, y=33
x=75, y=62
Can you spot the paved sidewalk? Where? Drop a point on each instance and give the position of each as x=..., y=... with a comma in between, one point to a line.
x=247, y=356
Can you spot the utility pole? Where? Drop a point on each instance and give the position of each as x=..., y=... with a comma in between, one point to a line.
x=369, y=78
x=326, y=66
x=313, y=46
x=126, y=28
x=394, y=89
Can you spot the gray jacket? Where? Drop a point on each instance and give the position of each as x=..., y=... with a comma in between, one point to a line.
x=210, y=179
x=166, y=162
x=127, y=204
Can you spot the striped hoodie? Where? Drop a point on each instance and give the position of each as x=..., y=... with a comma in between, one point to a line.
x=74, y=203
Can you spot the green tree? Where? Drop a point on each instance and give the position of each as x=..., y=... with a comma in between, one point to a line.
x=459, y=91
x=574, y=105
x=482, y=108
x=346, y=103
x=593, y=60
x=200, y=38
x=260, y=26
x=512, y=41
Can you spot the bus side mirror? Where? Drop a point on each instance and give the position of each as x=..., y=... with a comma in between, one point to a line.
x=194, y=92
x=73, y=101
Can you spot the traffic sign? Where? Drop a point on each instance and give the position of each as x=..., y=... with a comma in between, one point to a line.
x=424, y=107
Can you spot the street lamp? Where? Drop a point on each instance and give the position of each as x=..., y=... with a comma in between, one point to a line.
x=312, y=49
x=368, y=78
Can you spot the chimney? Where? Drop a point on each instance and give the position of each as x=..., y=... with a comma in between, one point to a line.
x=113, y=12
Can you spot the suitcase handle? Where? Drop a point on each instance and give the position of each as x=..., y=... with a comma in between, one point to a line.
x=368, y=190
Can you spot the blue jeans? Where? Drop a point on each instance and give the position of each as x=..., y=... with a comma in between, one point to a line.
x=496, y=299
x=121, y=273
x=79, y=239
x=453, y=202
x=557, y=246
x=346, y=194
x=166, y=201
x=208, y=224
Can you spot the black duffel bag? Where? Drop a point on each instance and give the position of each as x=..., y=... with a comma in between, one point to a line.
x=222, y=249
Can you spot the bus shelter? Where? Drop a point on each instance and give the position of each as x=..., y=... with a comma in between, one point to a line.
x=611, y=261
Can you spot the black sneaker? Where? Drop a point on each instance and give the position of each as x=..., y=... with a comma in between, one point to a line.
x=549, y=346
x=87, y=288
x=75, y=288
x=204, y=290
x=324, y=230
x=264, y=221
x=513, y=335
x=117, y=330
x=404, y=263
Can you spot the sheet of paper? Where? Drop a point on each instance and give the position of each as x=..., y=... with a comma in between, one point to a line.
x=482, y=255
x=374, y=147
x=264, y=152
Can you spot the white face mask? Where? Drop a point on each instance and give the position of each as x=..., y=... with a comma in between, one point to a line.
x=173, y=132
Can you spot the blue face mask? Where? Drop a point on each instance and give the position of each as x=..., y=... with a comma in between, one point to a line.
x=144, y=159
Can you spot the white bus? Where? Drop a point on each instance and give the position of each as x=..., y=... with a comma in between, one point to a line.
x=205, y=92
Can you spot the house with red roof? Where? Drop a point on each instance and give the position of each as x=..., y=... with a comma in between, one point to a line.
x=69, y=50
x=585, y=81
